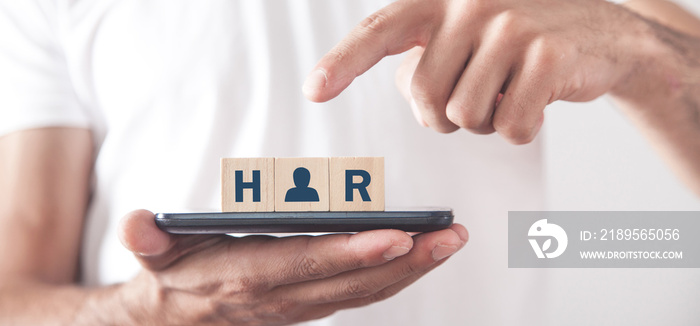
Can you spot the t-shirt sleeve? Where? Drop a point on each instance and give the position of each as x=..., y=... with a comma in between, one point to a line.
x=35, y=86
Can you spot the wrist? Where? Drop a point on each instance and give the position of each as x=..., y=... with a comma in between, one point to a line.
x=140, y=298
x=120, y=304
x=657, y=66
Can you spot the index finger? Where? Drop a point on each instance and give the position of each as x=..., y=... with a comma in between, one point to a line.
x=301, y=258
x=394, y=29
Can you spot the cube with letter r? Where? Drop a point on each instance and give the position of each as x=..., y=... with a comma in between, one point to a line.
x=356, y=183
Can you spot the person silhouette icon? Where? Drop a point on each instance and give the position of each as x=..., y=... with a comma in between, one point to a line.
x=301, y=190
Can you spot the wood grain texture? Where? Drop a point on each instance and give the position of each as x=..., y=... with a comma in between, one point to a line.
x=297, y=190
x=340, y=175
x=247, y=166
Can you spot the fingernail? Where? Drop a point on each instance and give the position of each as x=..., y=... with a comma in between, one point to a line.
x=463, y=236
x=440, y=252
x=317, y=79
x=395, y=251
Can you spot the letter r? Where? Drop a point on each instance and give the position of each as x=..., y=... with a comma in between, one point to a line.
x=361, y=187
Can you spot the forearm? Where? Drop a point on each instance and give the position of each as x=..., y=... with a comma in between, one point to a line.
x=33, y=303
x=662, y=95
x=44, y=178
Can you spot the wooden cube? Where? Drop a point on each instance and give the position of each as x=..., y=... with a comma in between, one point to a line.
x=248, y=184
x=357, y=183
x=301, y=184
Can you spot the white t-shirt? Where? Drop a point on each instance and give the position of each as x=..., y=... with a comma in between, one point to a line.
x=171, y=86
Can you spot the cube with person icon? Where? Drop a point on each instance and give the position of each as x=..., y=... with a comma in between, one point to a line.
x=301, y=191
x=301, y=184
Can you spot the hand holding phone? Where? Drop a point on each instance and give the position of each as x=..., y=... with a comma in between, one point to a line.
x=297, y=278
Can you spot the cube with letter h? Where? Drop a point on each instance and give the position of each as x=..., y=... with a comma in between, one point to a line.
x=247, y=183
x=302, y=184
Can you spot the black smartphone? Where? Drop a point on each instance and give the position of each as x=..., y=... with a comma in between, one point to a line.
x=410, y=220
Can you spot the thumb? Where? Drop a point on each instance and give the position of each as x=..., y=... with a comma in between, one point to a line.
x=138, y=233
x=154, y=248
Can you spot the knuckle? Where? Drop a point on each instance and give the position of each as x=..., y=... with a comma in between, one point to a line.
x=513, y=131
x=309, y=267
x=480, y=7
x=432, y=104
x=547, y=51
x=281, y=307
x=246, y=286
x=522, y=140
x=356, y=288
x=359, y=261
x=377, y=297
x=377, y=22
x=513, y=27
x=382, y=295
x=426, y=94
x=509, y=24
x=406, y=270
x=551, y=59
x=445, y=128
x=462, y=116
x=340, y=53
x=458, y=113
x=508, y=20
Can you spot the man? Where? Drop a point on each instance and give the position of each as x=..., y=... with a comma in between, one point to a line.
x=162, y=90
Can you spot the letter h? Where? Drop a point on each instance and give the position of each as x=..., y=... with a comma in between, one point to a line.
x=254, y=185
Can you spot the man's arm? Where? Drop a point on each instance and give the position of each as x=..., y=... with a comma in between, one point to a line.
x=43, y=172
x=186, y=280
x=662, y=94
x=43, y=195
x=44, y=185
x=493, y=65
